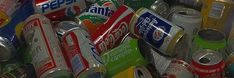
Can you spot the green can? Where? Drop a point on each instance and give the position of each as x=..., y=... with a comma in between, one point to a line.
x=123, y=57
x=209, y=39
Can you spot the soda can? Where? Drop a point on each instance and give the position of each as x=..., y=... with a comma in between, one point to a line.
x=64, y=27
x=156, y=30
x=216, y=14
x=135, y=72
x=96, y=14
x=161, y=8
x=58, y=9
x=47, y=57
x=179, y=69
x=9, y=39
x=210, y=39
x=122, y=57
x=110, y=34
x=154, y=57
x=208, y=63
x=82, y=55
x=24, y=71
x=190, y=20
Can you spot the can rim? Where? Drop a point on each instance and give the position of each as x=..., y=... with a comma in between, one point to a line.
x=178, y=38
x=145, y=72
x=212, y=56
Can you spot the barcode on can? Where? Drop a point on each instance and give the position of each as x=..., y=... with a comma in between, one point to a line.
x=216, y=10
x=77, y=64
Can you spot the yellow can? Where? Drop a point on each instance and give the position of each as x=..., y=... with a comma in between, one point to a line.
x=215, y=13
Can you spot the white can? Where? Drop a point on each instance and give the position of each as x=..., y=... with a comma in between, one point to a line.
x=189, y=19
x=47, y=55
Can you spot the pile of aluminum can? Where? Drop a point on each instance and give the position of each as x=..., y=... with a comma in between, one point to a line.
x=116, y=38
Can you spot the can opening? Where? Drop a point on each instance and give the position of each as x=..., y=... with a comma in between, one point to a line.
x=204, y=60
x=211, y=35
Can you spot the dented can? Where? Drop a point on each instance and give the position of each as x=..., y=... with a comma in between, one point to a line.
x=208, y=64
x=58, y=9
x=47, y=57
x=156, y=30
x=64, y=27
x=96, y=14
x=81, y=55
x=110, y=34
x=179, y=69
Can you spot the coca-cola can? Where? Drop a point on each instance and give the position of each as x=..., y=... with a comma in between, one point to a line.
x=47, y=57
x=81, y=55
x=110, y=34
x=208, y=63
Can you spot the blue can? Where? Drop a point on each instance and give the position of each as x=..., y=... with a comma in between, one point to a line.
x=159, y=32
x=230, y=71
x=9, y=41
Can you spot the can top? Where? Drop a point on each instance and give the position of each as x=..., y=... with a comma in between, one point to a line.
x=66, y=26
x=6, y=49
x=142, y=72
x=207, y=57
x=211, y=35
x=190, y=15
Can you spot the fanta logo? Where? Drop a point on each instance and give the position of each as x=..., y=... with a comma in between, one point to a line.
x=51, y=5
x=159, y=33
x=106, y=11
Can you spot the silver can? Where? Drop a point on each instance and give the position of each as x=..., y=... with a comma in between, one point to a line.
x=81, y=55
x=64, y=27
x=160, y=7
x=189, y=19
x=47, y=57
x=6, y=49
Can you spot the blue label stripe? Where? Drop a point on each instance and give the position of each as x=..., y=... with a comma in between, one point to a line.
x=148, y=25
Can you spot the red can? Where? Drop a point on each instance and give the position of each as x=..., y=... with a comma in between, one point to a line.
x=110, y=34
x=208, y=64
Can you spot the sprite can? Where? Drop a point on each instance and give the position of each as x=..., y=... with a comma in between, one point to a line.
x=122, y=57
